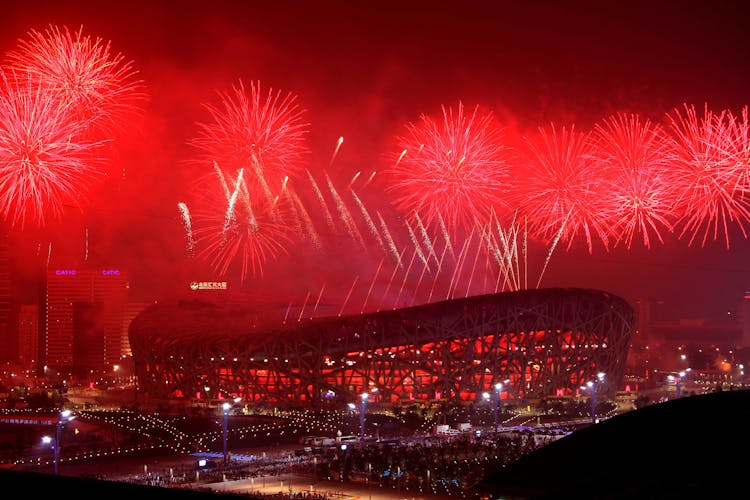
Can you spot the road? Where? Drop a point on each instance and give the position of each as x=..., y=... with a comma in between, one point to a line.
x=292, y=484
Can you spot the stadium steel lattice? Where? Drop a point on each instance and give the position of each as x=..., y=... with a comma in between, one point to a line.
x=544, y=342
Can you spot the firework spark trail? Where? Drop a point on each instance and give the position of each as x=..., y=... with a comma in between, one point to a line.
x=348, y=295
x=369, y=179
x=306, y=219
x=389, y=239
x=459, y=265
x=425, y=237
x=372, y=284
x=319, y=194
x=368, y=220
x=473, y=266
x=398, y=160
x=288, y=308
x=446, y=236
x=86, y=240
x=229, y=217
x=390, y=281
x=417, y=247
x=222, y=180
x=437, y=273
x=252, y=236
x=346, y=216
x=258, y=170
x=317, y=302
x=49, y=253
x=512, y=237
x=354, y=179
x=188, y=226
x=315, y=309
x=419, y=282
x=510, y=254
x=336, y=151
x=304, y=304
x=549, y=253
x=493, y=247
x=406, y=275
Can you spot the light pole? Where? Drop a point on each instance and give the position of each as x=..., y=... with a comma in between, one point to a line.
x=226, y=407
x=362, y=417
x=498, y=386
x=592, y=387
x=678, y=381
x=62, y=417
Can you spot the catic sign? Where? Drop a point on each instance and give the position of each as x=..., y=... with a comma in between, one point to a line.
x=208, y=285
x=73, y=272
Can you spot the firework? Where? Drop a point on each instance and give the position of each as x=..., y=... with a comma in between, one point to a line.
x=711, y=182
x=633, y=157
x=454, y=168
x=98, y=85
x=45, y=160
x=185, y=213
x=263, y=133
x=239, y=231
x=561, y=187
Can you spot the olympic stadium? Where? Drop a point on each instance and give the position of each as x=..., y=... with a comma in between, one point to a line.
x=540, y=342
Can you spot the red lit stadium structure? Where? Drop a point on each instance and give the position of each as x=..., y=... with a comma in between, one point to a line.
x=544, y=341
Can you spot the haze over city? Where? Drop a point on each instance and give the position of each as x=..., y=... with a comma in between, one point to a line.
x=363, y=72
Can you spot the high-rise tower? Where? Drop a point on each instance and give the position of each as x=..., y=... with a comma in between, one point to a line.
x=85, y=310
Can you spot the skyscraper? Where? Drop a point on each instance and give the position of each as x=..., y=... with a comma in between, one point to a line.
x=5, y=300
x=28, y=335
x=85, y=311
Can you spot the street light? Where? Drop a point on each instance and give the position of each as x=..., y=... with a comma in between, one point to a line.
x=63, y=416
x=678, y=381
x=362, y=417
x=592, y=388
x=226, y=406
x=498, y=386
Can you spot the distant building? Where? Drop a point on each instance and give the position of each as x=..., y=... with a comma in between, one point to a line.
x=5, y=299
x=745, y=319
x=28, y=336
x=84, y=314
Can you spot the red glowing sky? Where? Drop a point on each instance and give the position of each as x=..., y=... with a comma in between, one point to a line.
x=364, y=69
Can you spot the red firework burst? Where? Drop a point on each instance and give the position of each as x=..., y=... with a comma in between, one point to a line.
x=45, y=162
x=634, y=158
x=710, y=172
x=455, y=168
x=99, y=86
x=262, y=133
x=232, y=230
x=559, y=189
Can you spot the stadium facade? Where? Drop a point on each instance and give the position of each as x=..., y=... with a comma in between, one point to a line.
x=539, y=342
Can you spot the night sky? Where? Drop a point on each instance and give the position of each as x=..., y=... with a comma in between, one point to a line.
x=362, y=70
